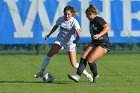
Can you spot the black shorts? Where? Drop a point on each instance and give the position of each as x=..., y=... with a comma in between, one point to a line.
x=104, y=45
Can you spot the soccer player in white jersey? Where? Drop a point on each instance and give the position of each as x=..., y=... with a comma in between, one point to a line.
x=66, y=38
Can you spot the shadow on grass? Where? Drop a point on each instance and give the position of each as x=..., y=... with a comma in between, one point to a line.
x=62, y=82
x=21, y=82
x=54, y=82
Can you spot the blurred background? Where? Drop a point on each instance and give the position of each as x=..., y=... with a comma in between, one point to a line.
x=24, y=23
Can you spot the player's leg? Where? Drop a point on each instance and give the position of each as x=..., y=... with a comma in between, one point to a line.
x=72, y=57
x=93, y=68
x=96, y=54
x=82, y=66
x=83, y=60
x=54, y=49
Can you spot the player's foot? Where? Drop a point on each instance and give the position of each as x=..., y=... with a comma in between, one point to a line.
x=90, y=79
x=95, y=79
x=75, y=78
x=39, y=74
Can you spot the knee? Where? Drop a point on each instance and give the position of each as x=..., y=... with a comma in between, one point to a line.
x=91, y=60
x=84, y=56
x=50, y=53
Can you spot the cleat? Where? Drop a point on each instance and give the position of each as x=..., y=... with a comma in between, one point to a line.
x=96, y=79
x=90, y=79
x=75, y=78
x=39, y=74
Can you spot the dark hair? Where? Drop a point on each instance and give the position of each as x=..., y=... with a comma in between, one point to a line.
x=71, y=8
x=92, y=9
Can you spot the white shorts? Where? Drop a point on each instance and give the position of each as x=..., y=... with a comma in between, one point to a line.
x=69, y=46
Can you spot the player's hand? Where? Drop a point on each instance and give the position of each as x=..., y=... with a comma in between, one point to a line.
x=75, y=41
x=46, y=37
x=97, y=36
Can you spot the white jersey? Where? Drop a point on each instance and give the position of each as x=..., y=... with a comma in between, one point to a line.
x=67, y=30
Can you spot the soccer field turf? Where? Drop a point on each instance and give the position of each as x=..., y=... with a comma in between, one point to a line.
x=119, y=73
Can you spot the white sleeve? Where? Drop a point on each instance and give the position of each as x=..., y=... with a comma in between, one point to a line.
x=77, y=26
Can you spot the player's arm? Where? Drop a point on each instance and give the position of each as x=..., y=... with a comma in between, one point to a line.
x=105, y=30
x=77, y=36
x=53, y=30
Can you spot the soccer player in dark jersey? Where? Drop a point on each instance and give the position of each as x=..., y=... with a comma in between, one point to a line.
x=99, y=46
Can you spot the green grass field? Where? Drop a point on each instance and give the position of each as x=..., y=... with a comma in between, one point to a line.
x=119, y=73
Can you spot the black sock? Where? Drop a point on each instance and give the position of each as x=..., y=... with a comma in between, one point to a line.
x=93, y=68
x=82, y=66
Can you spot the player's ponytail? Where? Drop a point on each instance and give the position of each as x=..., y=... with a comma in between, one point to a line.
x=92, y=9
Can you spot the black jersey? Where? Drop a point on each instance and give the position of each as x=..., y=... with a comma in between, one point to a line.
x=96, y=26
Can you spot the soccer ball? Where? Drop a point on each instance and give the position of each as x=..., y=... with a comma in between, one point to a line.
x=48, y=78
